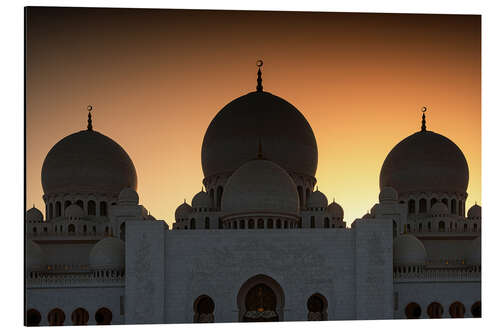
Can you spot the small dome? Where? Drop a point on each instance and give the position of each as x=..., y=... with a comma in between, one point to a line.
x=408, y=251
x=425, y=162
x=474, y=212
x=183, y=211
x=260, y=186
x=128, y=197
x=35, y=257
x=473, y=255
x=336, y=211
x=439, y=208
x=87, y=161
x=201, y=200
x=317, y=200
x=388, y=195
x=73, y=212
x=108, y=253
x=34, y=215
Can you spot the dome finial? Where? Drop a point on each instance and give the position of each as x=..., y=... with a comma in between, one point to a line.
x=423, y=118
x=89, y=121
x=259, y=76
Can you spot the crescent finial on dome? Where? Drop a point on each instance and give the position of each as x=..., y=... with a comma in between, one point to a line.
x=424, y=128
x=259, y=76
x=89, y=121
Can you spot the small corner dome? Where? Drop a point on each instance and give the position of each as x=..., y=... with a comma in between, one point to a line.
x=260, y=186
x=201, y=200
x=35, y=257
x=473, y=254
x=336, y=211
x=108, y=253
x=388, y=194
x=317, y=200
x=474, y=212
x=128, y=196
x=439, y=208
x=408, y=251
x=183, y=211
x=34, y=215
x=73, y=211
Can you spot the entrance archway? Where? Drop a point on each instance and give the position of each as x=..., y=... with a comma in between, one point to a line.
x=260, y=299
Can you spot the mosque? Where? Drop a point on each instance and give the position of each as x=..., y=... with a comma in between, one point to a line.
x=260, y=242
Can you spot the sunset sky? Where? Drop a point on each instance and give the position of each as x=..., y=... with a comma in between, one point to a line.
x=156, y=78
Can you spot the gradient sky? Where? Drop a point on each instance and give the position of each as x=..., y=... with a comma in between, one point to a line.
x=156, y=78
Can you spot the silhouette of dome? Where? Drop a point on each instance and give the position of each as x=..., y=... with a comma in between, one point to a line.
x=439, y=208
x=108, y=253
x=201, y=200
x=317, y=200
x=183, y=211
x=87, y=161
x=473, y=255
x=260, y=186
x=128, y=196
x=474, y=212
x=388, y=195
x=35, y=257
x=408, y=250
x=34, y=215
x=73, y=212
x=233, y=135
x=425, y=162
x=336, y=211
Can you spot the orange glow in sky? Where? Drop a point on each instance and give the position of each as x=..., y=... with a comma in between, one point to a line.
x=156, y=78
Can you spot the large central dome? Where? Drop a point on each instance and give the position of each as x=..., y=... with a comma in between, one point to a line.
x=233, y=136
x=87, y=161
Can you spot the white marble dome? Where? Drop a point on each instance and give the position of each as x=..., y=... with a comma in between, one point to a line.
x=87, y=162
x=34, y=215
x=409, y=251
x=233, y=136
x=336, y=211
x=35, y=257
x=317, y=200
x=474, y=212
x=201, y=200
x=439, y=208
x=388, y=195
x=425, y=162
x=73, y=211
x=473, y=254
x=128, y=196
x=260, y=186
x=108, y=253
x=183, y=211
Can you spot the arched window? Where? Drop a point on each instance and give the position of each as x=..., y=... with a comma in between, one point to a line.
x=235, y=224
x=203, y=308
x=122, y=231
x=221, y=225
x=51, y=210
x=420, y=227
x=313, y=223
x=207, y=222
x=413, y=311
x=433, y=201
x=411, y=206
x=476, y=309
x=457, y=310
x=465, y=227
x=219, y=196
x=278, y=224
x=106, y=230
x=299, y=224
x=270, y=224
x=301, y=196
x=317, y=306
x=34, y=230
x=445, y=201
x=103, y=316
x=212, y=199
x=71, y=228
x=260, y=224
x=103, y=208
x=80, y=203
x=33, y=317
x=58, y=209
x=435, y=310
x=85, y=229
x=251, y=224
x=453, y=206
x=80, y=317
x=91, y=208
x=326, y=224
x=192, y=224
x=242, y=224
x=308, y=193
x=475, y=227
x=441, y=226
x=286, y=224
x=56, y=317
x=429, y=226
x=422, y=205
x=460, y=211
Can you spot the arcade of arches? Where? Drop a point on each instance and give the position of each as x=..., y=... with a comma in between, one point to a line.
x=80, y=316
x=436, y=310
